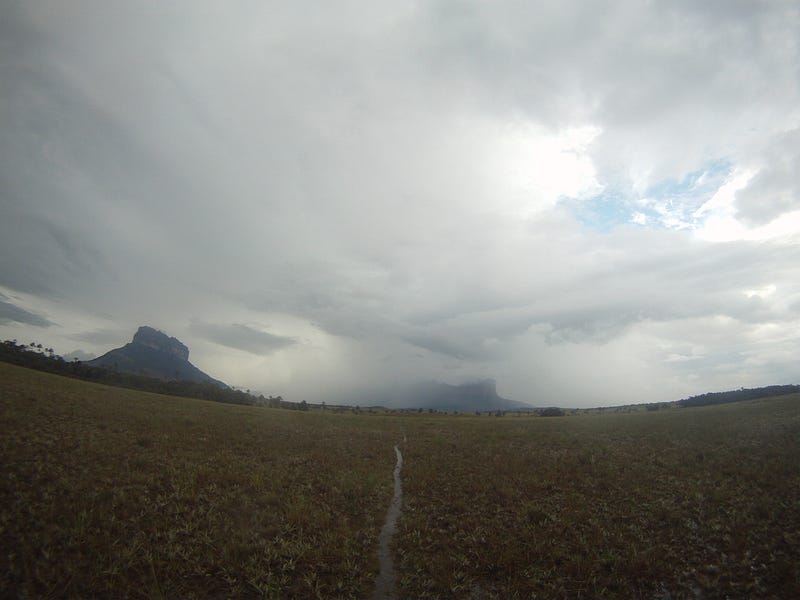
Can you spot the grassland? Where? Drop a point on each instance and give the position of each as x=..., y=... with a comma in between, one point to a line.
x=110, y=492
x=116, y=493
x=685, y=503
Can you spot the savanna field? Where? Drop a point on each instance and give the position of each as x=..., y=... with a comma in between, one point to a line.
x=108, y=492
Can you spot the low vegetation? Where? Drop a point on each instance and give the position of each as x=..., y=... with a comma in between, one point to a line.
x=118, y=493
x=679, y=503
x=113, y=492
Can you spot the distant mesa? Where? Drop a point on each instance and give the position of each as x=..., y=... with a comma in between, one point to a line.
x=154, y=354
x=478, y=396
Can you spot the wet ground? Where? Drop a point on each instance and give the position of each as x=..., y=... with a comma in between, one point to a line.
x=385, y=582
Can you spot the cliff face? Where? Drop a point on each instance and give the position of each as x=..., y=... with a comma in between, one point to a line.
x=157, y=340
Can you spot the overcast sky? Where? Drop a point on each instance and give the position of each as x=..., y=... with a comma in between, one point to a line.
x=590, y=202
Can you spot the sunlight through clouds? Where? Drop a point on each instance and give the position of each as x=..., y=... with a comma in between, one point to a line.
x=530, y=168
x=692, y=205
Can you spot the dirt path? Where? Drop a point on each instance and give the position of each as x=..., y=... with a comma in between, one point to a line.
x=385, y=582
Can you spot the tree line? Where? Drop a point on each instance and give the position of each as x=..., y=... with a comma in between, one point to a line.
x=738, y=395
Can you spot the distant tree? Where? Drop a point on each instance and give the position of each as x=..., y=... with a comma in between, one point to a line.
x=553, y=411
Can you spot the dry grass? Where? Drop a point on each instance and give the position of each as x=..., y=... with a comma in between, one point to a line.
x=112, y=492
x=109, y=492
x=684, y=503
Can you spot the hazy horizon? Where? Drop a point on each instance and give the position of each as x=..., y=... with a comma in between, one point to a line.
x=590, y=203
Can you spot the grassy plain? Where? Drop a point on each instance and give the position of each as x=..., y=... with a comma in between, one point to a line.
x=116, y=493
x=680, y=503
x=111, y=492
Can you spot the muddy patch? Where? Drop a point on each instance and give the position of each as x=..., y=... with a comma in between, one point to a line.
x=385, y=582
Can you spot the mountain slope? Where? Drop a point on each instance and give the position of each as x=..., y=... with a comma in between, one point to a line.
x=155, y=354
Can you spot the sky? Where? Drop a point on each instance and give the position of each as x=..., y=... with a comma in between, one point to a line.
x=593, y=203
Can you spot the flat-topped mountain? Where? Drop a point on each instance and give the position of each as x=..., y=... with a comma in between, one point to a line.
x=467, y=397
x=155, y=354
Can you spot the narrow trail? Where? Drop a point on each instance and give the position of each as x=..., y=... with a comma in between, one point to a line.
x=385, y=582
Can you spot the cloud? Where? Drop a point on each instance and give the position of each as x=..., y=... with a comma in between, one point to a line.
x=442, y=346
x=242, y=337
x=436, y=190
x=81, y=355
x=775, y=189
x=103, y=337
x=11, y=312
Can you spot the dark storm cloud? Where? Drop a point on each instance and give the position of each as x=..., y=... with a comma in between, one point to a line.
x=242, y=337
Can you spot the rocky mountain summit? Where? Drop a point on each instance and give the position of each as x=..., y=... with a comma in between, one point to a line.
x=155, y=354
x=157, y=340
